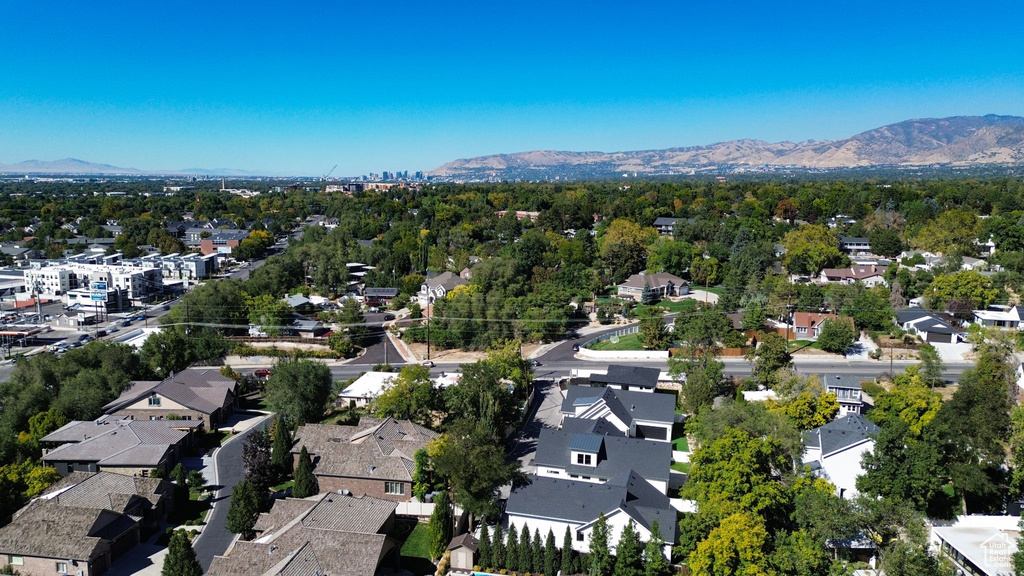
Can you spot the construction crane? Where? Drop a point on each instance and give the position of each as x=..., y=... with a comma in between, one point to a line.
x=326, y=176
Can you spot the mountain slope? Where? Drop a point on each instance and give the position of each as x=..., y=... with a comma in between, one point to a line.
x=959, y=140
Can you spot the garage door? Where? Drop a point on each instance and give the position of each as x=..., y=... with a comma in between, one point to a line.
x=940, y=338
x=651, y=432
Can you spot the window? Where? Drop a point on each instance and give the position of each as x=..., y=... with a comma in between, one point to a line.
x=154, y=400
x=62, y=567
x=394, y=488
x=17, y=560
x=583, y=459
x=579, y=536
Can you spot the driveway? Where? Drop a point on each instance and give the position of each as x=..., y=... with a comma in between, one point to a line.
x=952, y=352
x=545, y=415
x=861, y=348
x=215, y=538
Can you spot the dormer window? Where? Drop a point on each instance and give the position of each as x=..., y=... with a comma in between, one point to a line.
x=154, y=401
x=584, y=459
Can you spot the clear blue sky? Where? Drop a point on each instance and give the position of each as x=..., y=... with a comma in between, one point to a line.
x=296, y=87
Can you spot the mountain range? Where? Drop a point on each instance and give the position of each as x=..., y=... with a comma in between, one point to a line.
x=953, y=141
x=77, y=167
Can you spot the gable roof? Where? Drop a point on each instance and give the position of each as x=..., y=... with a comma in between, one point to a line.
x=448, y=280
x=377, y=448
x=654, y=280
x=583, y=502
x=924, y=321
x=616, y=454
x=847, y=381
x=590, y=426
x=628, y=375
x=626, y=405
x=853, y=273
x=839, y=434
x=81, y=430
x=142, y=443
x=106, y=490
x=203, y=390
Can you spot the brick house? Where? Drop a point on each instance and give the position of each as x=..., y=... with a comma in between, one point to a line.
x=374, y=458
x=203, y=395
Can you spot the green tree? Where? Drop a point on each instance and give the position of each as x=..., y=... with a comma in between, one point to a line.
x=499, y=555
x=809, y=249
x=306, y=484
x=808, y=410
x=836, y=336
x=181, y=558
x=966, y=286
x=179, y=475
x=952, y=232
x=566, y=559
x=886, y=242
x=902, y=467
x=244, y=509
x=601, y=560
x=550, y=555
x=909, y=400
x=628, y=553
x=770, y=356
x=653, y=333
x=672, y=256
x=473, y=461
x=705, y=271
x=525, y=561
x=440, y=525
x=351, y=318
x=281, y=452
x=410, y=396
x=623, y=247
x=298, y=390
x=754, y=317
x=196, y=480
x=512, y=548
x=737, y=547
x=655, y=563
x=268, y=312
x=484, y=548
x=931, y=367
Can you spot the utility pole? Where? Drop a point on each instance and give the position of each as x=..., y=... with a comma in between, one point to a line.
x=428, y=331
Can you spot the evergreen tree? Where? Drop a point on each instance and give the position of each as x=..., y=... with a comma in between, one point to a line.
x=565, y=562
x=628, y=554
x=497, y=548
x=179, y=475
x=601, y=562
x=306, y=484
x=512, y=548
x=280, y=454
x=537, y=554
x=655, y=563
x=181, y=558
x=484, y=548
x=525, y=550
x=550, y=554
x=243, y=510
x=440, y=525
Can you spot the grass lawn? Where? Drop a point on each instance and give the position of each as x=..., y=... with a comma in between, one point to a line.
x=285, y=486
x=418, y=543
x=683, y=467
x=681, y=306
x=713, y=289
x=797, y=344
x=415, y=546
x=628, y=342
x=680, y=444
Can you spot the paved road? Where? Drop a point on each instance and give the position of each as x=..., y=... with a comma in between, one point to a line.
x=215, y=538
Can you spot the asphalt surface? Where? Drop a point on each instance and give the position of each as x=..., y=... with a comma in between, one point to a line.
x=215, y=538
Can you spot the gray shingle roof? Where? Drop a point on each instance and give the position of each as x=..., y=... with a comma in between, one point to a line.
x=203, y=390
x=107, y=490
x=598, y=426
x=625, y=404
x=651, y=460
x=850, y=381
x=840, y=433
x=379, y=449
x=583, y=502
x=126, y=443
x=628, y=375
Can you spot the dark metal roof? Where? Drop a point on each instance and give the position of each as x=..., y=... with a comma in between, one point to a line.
x=628, y=375
x=616, y=454
x=585, y=443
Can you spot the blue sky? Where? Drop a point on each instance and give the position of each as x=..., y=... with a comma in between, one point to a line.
x=297, y=87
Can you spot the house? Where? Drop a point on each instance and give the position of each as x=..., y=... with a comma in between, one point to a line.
x=633, y=414
x=373, y=458
x=306, y=328
x=834, y=451
x=848, y=391
x=665, y=226
x=968, y=263
x=979, y=545
x=199, y=394
x=331, y=534
x=298, y=302
x=659, y=284
x=556, y=504
x=996, y=316
x=868, y=275
x=590, y=457
x=807, y=325
x=627, y=378
x=222, y=241
x=438, y=287
x=379, y=296
x=929, y=326
x=365, y=388
x=463, y=549
x=82, y=524
x=855, y=245
x=129, y=447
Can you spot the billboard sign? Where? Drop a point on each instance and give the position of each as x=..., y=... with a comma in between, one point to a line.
x=98, y=296
x=223, y=249
x=98, y=285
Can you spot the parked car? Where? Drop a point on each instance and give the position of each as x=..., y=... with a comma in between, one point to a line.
x=575, y=347
x=262, y=372
x=389, y=317
x=534, y=363
x=428, y=363
x=126, y=322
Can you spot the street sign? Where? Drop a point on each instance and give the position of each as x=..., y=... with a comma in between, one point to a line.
x=99, y=296
x=98, y=285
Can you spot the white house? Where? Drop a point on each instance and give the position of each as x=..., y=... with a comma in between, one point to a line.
x=848, y=391
x=979, y=545
x=834, y=451
x=597, y=458
x=633, y=414
x=438, y=287
x=995, y=316
x=868, y=275
x=555, y=504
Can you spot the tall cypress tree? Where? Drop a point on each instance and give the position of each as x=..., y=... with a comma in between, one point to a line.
x=525, y=551
x=601, y=561
x=550, y=554
x=512, y=549
x=483, y=548
x=567, y=552
x=306, y=484
x=244, y=509
x=537, y=560
x=628, y=554
x=655, y=563
x=281, y=452
x=497, y=548
x=181, y=558
x=440, y=525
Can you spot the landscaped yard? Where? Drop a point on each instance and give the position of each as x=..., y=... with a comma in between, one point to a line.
x=628, y=342
x=680, y=444
x=415, y=546
x=797, y=344
x=683, y=467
